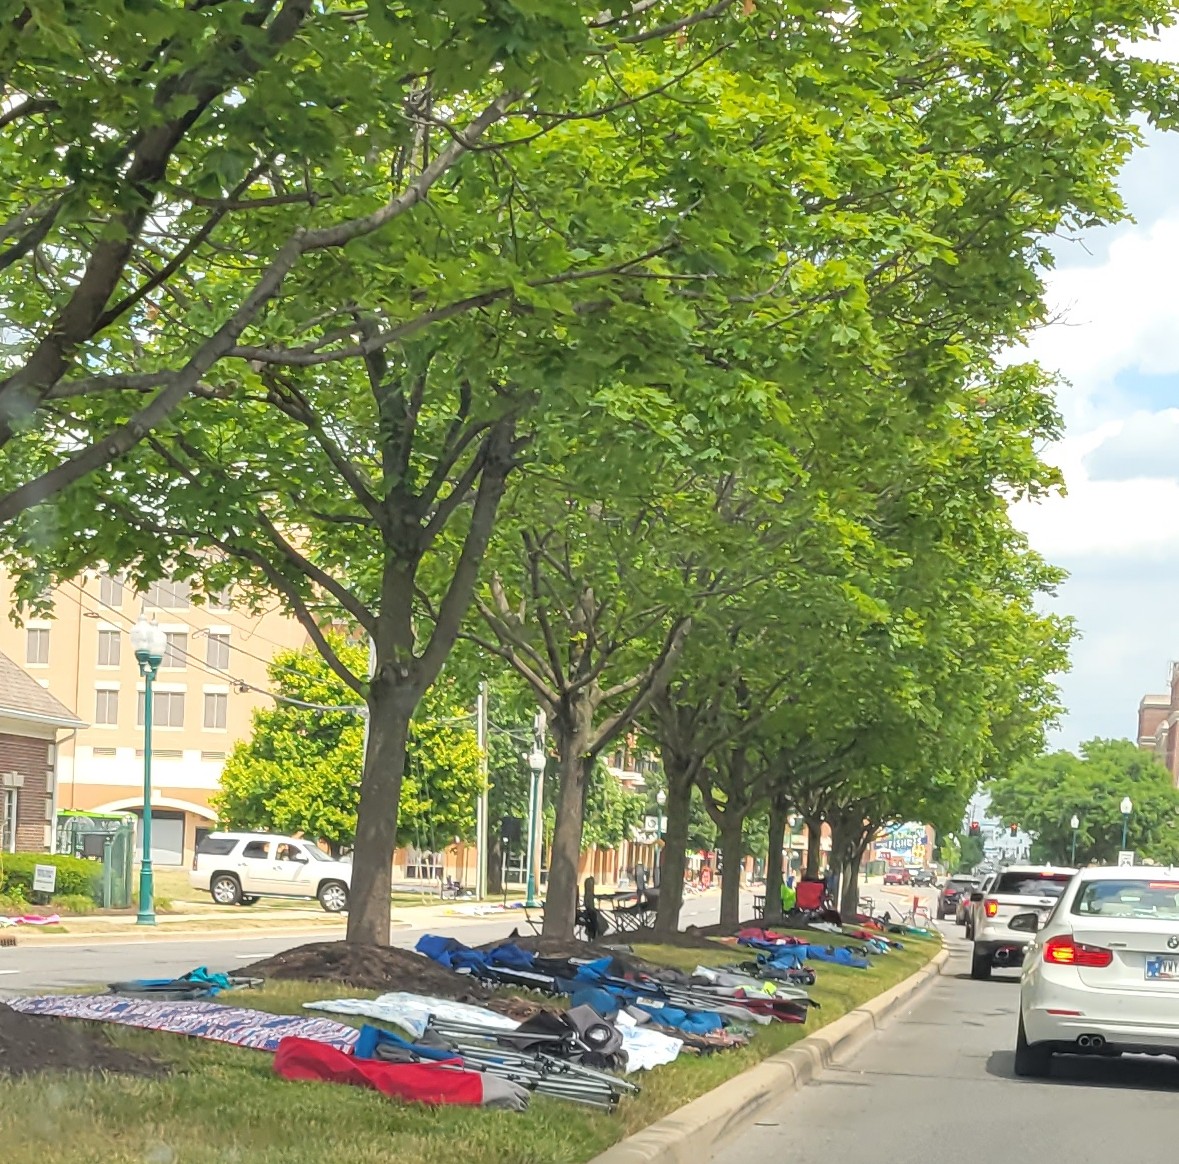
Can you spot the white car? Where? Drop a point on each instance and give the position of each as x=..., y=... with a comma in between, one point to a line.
x=239, y=868
x=1012, y=891
x=1101, y=976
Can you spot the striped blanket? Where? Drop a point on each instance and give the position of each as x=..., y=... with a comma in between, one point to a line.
x=200, y=1020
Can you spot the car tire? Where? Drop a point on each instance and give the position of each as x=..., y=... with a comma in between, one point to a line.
x=226, y=889
x=980, y=966
x=333, y=896
x=1032, y=1060
x=250, y=900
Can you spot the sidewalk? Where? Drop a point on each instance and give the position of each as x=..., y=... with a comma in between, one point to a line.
x=229, y=922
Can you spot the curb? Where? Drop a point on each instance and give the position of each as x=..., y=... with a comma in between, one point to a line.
x=690, y=1134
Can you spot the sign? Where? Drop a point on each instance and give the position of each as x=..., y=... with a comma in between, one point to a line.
x=44, y=878
x=1125, y=859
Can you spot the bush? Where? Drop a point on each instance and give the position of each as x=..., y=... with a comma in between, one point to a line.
x=75, y=877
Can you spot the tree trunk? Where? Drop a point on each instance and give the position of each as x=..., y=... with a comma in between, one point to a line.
x=390, y=709
x=849, y=901
x=560, y=906
x=495, y=868
x=814, y=840
x=776, y=838
x=732, y=850
x=675, y=847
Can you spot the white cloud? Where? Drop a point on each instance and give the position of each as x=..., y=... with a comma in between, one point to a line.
x=1121, y=315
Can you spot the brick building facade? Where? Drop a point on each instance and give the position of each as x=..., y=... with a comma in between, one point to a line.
x=1158, y=725
x=31, y=724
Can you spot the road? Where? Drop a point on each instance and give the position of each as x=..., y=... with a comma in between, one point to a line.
x=63, y=966
x=938, y=1080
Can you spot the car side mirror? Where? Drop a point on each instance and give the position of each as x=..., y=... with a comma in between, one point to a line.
x=1027, y=923
x=976, y=896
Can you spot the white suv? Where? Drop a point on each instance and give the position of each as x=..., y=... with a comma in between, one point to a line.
x=1016, y=889
x=239, y=868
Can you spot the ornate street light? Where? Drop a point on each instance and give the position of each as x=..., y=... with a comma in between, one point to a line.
x=1127, y=807
x=1074, y=824
x=149, y=644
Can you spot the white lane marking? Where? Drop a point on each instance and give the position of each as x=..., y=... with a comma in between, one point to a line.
x=9, y=971
x=268, y=954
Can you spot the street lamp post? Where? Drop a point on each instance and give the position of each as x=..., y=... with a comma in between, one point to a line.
x=1127, y=807
x=149, y=643
x=536, y=761
x=1074, y=824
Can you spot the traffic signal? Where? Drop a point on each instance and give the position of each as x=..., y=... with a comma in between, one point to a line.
x=975, y=830
x=1014, y=829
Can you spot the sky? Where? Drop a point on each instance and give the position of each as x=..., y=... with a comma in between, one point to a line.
x=1114, y=301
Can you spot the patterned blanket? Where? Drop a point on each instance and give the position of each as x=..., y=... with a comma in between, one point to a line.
x=201, y=1020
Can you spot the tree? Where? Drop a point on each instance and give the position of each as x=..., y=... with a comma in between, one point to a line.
x=689, y=219
x=971, y=853
x=1042, y=796
x=300, y=769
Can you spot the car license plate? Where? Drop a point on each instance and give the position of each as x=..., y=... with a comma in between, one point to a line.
x=1162, y=969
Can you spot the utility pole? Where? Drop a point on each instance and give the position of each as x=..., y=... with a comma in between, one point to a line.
x=481, y=803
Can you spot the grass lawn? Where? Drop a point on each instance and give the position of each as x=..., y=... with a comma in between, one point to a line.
x=224, y=1105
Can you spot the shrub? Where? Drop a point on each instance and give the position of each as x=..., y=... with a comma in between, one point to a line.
x=75, y=877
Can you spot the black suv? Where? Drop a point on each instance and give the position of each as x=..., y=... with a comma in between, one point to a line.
x=952, y=891
x=924, y=877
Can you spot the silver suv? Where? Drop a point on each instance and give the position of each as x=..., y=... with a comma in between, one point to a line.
x=239, y=868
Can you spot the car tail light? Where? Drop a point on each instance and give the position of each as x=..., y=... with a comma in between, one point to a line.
x=1064, y=951
x=990, y=907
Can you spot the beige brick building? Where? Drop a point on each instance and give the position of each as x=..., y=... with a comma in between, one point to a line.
x=82, y=655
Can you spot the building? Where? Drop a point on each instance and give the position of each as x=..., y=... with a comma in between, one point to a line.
x=31, y=725
x=1158, y=716
x=81, y=653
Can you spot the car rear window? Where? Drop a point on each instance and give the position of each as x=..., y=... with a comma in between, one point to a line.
x=1031, y=884
x=1134, y=897
x=216, y=846
x=960, y=883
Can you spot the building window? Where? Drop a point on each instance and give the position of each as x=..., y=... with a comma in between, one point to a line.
x=167, y=595
x=8, y=820
x=167, y=709
x=176, y=652
x=110, y=590
x=110, y=648
x=219, y=600
x=216, y=710
x=106, y=708
x=217, y=651
x=37, y=646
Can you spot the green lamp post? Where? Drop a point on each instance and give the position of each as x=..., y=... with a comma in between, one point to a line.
x=149, y=643
x=1075, y=824
x=1127, y=807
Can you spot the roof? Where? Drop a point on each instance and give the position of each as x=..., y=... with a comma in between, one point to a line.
x=1134, y=872
x=23, y=698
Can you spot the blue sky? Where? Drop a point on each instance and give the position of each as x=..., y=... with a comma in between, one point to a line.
x=1114, y=302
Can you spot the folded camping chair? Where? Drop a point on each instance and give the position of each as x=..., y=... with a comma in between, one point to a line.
x=810, y=894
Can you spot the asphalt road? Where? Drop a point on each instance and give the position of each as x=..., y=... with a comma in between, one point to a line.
x=62, y=966
x=938, y=1082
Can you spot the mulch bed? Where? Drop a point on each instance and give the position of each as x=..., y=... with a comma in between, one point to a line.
x=31, y=1044
x=367, y=968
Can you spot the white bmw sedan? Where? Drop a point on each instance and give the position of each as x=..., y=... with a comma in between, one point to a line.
x=1101, y=976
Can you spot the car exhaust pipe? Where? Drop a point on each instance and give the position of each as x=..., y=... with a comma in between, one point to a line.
x=1084, y=1042
x=1096, y=1042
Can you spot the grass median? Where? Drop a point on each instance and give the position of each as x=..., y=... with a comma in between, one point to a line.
x=224, y=1105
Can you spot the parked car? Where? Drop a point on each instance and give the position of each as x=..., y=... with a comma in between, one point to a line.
x=1101, y=975
x=239, y=868
x=954, y=890
x=894, y=876
x=1015, y=890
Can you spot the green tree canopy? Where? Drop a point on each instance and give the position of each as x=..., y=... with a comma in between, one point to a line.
x=1043, y=795
x=299, y=771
